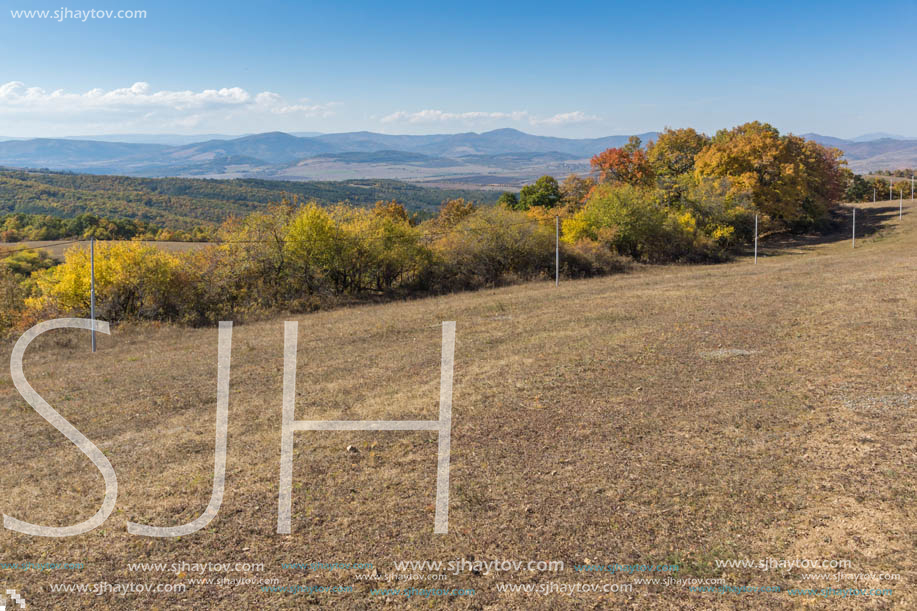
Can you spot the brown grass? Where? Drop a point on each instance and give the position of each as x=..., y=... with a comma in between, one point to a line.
x=679, y=413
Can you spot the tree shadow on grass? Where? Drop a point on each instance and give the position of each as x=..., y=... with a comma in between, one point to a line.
x=869, y=223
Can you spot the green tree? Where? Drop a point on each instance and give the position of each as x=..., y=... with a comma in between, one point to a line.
x=858, y=189
x=545, y=193
x=508, y=200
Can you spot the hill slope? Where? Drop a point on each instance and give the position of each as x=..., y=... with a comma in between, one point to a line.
x=871, y=155
x=181, y=203
x=683, y=415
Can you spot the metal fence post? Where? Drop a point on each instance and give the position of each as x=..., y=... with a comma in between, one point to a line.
x=557, y=251
x=756, y=239
x=92, y=289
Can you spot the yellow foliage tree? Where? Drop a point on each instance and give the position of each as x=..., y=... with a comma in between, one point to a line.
x=130, y=279
x=788, y=178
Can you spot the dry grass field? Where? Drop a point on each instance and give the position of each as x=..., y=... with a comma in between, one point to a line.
x=678, y=414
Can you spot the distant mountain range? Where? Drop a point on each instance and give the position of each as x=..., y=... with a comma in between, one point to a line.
x=864, y=156
x=502, y=157
x=873, y=136
x=169, y=139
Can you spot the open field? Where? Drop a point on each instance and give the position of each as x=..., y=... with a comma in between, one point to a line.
x=675, y=415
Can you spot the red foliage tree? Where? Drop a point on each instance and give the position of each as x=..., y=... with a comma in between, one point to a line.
x=628, y=164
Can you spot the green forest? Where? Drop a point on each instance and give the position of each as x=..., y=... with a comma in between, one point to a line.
x=187, y=203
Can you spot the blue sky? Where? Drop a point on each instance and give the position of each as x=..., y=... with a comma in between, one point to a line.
x=574, y=69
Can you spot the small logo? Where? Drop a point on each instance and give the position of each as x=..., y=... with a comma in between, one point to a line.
x=14, y=599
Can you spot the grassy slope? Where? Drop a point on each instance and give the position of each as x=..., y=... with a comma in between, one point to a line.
x=592, y=421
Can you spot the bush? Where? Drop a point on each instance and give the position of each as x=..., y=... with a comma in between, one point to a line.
x=622, y=217
x=636, y=222
x=12, y=299
x=132, y=281
x=491, y=246
x=587, y=258
x=355, y=250
x=24, y=262
x=304, y=258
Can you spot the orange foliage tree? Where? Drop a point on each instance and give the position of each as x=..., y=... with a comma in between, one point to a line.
x=628, y=164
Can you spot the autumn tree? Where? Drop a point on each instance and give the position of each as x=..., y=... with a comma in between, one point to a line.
x=788, y=179
x=451, y=214
x=881, y=187
x=826, y=171
x=673, y=152
x=574, y=190
x=628, y=164
x=391, y=210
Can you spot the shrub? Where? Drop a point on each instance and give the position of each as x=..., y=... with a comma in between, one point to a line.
x=132, y=281
x=587, y=258
x=354, y=250
x=636, y=222
x=24, y=262
x=12, y=298
x=623, y=218
x=303, y=258
x=492, y=245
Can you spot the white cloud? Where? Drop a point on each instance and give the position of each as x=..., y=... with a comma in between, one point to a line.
x=566, y=118
x=140, y=107
x=523, y=116
x=432, y=116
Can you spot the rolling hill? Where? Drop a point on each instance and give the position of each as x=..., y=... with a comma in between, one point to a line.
x=864, y=156
x=490, y=157
x=499, y=158
x=182, y=203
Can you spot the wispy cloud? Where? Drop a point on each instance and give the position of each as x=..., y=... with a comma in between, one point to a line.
x=566, y=118
x=434, y=116
x=476, y=117
x=141, y=106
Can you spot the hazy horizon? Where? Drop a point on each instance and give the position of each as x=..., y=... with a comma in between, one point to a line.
x=197, y=137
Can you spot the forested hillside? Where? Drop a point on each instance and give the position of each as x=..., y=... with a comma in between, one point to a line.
x=183, y=203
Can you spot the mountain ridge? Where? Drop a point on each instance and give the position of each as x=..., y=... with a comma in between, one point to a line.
x=507, y=155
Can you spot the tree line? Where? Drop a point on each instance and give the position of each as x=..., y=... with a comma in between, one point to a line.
x=690, y=197
x=899, y=173
x=19, y=227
